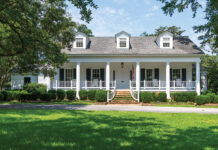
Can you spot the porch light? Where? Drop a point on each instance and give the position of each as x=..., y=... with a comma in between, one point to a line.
x=122, y=64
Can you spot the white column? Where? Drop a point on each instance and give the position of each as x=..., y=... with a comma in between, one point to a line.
x=198, y=87
x=77, y=79
x=108, y=76
x=137, y=76
x=168, y=79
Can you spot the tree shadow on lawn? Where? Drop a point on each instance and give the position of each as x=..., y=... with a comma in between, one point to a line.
x=91, y=130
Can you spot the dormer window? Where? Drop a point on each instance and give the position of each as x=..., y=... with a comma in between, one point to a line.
x=166, y=42
x=123, y=42
x=79, y=42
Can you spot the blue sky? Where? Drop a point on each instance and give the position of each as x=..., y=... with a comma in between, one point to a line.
x=137, y=16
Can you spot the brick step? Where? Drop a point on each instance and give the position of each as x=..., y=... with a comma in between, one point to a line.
x=121, y=92
x=123, y=98
x=123, y=102
x=124, y=95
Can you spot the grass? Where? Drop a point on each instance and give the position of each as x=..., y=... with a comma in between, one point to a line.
x=80, y=102
x=180, y=104
x=106, y=130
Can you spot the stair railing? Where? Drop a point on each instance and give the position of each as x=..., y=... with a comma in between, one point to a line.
x=134, y=93
x=111, y=93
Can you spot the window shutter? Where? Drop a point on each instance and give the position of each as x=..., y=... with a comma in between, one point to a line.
x=142, y=74
x=74, y=73
x=171, y=74
x=114, y=78
x=88, y=74
x=102, y=74
x=156, y=73
x=61, y=74
x=130, y=77
x=183, y=74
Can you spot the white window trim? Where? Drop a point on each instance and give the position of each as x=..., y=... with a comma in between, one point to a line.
x=127, y=42
x=170, y=42
x=84, y=43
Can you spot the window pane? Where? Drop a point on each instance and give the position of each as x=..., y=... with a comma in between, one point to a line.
x=166, y=39
x=176, y=74
x=166, y=44
x=95, y=74
x=122, y=42
x=149, y=74
x=79, y=42
x=69, y=74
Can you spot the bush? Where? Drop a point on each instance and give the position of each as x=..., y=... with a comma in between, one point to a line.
x=91, y=94
x=4, y=93
x=184, y=96
x=45, y=97
x=60, y=94
x=162, y=97
x=33, y=87
x=71, y=94
x=212, y=97
x=215, y=99
x=53, y=94
x=83, y=94
x=1, y=97
x=11, y=95
x=24, y=95
x=146, y=97
x=202, y=99
x=101, y=96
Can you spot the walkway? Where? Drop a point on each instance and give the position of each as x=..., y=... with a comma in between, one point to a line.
x=115, y=108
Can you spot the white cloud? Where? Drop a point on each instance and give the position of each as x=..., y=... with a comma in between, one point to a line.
x=147, y=15
x=147, y=2
x=155, y=7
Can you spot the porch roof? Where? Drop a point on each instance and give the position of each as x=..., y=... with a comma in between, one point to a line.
x=138, y=45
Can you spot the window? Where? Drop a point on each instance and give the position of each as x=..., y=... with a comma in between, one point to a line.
x=69, y=74
x=95, y=74
x=27, y=80
x=176, y=74
x=149, y=74
x=79, y=42
x=122, y=42
x=166, y=42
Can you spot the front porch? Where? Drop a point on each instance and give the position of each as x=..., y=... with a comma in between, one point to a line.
x=164, y=76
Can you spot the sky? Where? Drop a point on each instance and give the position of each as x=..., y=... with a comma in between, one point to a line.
x=136, y=17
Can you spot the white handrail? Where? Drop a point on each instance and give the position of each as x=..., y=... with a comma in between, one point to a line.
x=112, y=92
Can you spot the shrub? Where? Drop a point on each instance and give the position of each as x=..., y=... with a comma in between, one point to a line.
x=33, y=87
x=34, y=95
x=45, y=97
x=202, y=99
x=60, y=94
x=71, y=94
x=4, y=93
x=11, y=95
x=1, y=97
x=146, y=97
x=24, y=95
x=91, y=94
x=212, y=97
x=83, y=94
x=162, y=97
x=184, y=96
x=53, y=94
x=215, y=99
x=101, y=96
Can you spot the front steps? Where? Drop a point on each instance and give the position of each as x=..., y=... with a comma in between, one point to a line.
x=123, y=97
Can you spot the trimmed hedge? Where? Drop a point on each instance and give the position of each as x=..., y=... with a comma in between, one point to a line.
x=1, y=97
x=212, y=97
x=45, y=97
x=83, y=94
x=202, y=99
x=215, y=99
x=91, y=94
x=71, y=94
x=184, y=96
x=33, y=87
x=24, y=95
x=61, y=94
x=162, y=97
x=101, y=96
x=146, y=97
x=53, y=94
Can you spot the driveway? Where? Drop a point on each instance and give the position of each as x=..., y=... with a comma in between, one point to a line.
x=115, y=108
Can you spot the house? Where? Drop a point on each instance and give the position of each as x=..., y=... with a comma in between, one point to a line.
x=155, y=63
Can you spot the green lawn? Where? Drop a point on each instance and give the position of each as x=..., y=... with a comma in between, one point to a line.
x=106, y=130
x=180, y=104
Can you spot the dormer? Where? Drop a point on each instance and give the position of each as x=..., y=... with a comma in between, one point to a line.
x=81, y=41
x=122, y=39
x=165, y=40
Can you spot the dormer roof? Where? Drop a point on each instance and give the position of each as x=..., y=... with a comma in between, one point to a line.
x=122, y=32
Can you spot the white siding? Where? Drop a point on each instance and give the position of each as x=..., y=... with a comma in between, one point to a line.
x=17, y=81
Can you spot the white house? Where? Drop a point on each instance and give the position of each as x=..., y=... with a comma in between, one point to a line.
x=154, y=63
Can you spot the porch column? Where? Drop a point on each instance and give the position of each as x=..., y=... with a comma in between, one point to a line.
x=108, y=76
x=137, y=79
x=77, y=79
x=168, y=79
x=198, y=88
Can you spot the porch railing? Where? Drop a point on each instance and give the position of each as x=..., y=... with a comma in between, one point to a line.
x=111, y=93
x=93, y=84
x=64, y=84
x=182, y=85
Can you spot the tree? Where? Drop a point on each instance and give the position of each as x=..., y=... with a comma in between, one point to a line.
x=32, y=33
x=210, y=65
x=209, y=29
x=172, y=29
x=84, y=29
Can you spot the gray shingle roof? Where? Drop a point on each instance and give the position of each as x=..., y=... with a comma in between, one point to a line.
x=138, y=46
